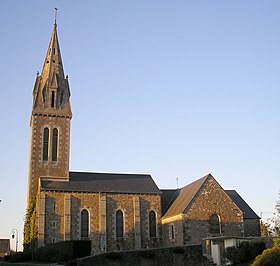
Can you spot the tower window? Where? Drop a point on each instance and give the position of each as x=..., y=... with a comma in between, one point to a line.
x=84, y=223
x=119, y=223
x=52, y=99
x=46, y=144
x=54, y=144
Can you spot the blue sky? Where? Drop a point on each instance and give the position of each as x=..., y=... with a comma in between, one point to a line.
x=177, y=89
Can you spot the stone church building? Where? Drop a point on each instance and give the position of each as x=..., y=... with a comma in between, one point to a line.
x=115, y=211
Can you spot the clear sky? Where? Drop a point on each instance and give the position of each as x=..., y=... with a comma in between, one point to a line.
x=177, y=89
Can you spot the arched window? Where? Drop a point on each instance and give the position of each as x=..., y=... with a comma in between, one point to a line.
x=46, y=144
x=119, y=223
x=54, y=144
x=152, y=224
x=215, y=227
x=84, y=223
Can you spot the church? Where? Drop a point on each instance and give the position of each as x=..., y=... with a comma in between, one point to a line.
x=115, y=211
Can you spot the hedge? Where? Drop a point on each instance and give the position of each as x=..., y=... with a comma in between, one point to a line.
x=246, y=251
x=58, y=252
x=269, y=257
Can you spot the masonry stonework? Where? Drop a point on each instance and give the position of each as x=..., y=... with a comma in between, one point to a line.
x=62, y=219
x=211, y=200
x=84, y=205
x=192, y=223
x=252, y=227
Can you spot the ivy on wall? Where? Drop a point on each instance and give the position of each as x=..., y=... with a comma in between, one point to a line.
x=30, y=228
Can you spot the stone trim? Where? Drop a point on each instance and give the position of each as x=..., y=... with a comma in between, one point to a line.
x=67, y=217
x=102, y=225
x=172, y=219
x=52, y=115
x=137, y=222
x=41, y=219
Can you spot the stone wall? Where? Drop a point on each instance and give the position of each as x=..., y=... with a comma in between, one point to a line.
x=37, y=167
x=61, y=213
x=252, y=227
x=172, y=232
x=184, y=255
x=195, y=222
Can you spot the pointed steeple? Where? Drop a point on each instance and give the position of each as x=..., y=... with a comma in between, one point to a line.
x=51, y=90
x=53, y=62
x=50, y=121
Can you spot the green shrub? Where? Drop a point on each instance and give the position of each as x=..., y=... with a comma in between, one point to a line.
x=114, y=255
x=20, y=256
x=269, y=257
x=48, y=254
x=276, y=241
x=235, y=255
x=246, y=251
x=178, y=250
x=147, y=254
x=63, y=251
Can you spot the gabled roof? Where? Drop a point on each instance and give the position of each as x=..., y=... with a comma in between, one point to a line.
x=5, y=246
x=185, y=196
x=103, y=182
x=248, y=213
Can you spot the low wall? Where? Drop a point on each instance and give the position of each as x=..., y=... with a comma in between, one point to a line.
x=183, y=255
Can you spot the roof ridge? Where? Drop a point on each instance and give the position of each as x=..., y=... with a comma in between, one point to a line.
x=109, y=173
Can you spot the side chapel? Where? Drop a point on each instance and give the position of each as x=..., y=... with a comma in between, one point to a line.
x=115, y=211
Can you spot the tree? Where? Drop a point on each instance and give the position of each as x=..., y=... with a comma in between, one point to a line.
x=264, y=229
x=272, y=225
x=277, y=220
x=270, y=257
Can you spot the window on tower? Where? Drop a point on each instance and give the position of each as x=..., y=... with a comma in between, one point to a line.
x=46, y=144
x=52, y=99
x=54, y=144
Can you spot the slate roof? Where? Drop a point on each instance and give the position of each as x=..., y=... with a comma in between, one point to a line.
x=185, y=196
x=248, y=213
x=167, y=198
x=103, y=182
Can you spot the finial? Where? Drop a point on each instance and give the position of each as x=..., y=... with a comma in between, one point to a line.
x=55, y=14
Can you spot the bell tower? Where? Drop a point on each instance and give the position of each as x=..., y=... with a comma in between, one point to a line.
x=50, y=121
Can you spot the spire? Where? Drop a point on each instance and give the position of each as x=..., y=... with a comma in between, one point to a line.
x=53, y=63
x=51, y=90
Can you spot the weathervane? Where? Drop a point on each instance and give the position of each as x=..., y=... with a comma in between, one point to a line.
x=55, y=14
